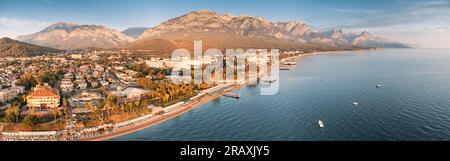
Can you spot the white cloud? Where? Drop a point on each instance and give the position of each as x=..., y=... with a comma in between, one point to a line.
x=13, y=27
x=347, y=10
x=426, y=23
x=421, y=35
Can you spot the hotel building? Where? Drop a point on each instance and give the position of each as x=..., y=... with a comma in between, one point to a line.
x=43, y=97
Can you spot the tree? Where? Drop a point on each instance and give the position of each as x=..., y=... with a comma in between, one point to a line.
x=27, y=80
x=143, y=103
x=55, y=112
x=13, y=113
x=60, y=113
x=30, y=121
x=123, y=107
x=33, y=111
x=111, y=103
x=91, y=108
x=65, y=107
x=100, y=108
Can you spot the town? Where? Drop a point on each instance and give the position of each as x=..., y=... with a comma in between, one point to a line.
x=82, y=94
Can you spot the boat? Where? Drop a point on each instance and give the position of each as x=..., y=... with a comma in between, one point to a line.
x=378, y=86
x=233, y=95
x=289, y=63
x=269, y=80
x=355, y=103
x=321, y=124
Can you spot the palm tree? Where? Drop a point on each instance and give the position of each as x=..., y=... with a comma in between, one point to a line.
x=110, y=103
x=100, y=108
x=17, y=112
x=55, y=112
x=65, y=107
x=123, y=107
x=91, y=108
x=33, y=110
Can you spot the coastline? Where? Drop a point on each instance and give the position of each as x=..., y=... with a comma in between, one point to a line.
x=162, y=118
x=185, y=107
x=173, y=114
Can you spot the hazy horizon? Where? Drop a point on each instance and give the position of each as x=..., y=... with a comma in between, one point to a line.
x=420, y=23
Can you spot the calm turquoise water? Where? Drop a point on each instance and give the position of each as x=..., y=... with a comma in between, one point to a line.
x=412, y=104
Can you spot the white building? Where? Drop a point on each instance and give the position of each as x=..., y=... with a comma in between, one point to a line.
x=84, y=98
x=130, y=93
x=10, y=93
x=66, y=85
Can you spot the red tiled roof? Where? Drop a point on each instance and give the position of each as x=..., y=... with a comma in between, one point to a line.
x=43, y=92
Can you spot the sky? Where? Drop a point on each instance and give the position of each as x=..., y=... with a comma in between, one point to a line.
x=421, y=23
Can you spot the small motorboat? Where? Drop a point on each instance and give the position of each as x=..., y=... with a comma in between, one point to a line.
x=233, y=95
x=355, y=103
x=321, y=124
x=269, y=80
x=378, y=86
x=284, y=68
x=290, y=63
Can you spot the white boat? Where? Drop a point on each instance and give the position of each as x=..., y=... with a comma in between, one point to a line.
x=378, y=86
x=321, y=124
x=355, y=103
x=269, y=80
x=289, y=63
x=233, y=95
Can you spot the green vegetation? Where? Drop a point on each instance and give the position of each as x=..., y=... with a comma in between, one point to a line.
x=163, y=92
x=12, y=114
x=30, y=80
x=30, y=121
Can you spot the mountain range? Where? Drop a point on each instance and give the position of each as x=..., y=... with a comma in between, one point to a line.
x=215, y=30
x=134, y=32
x=14, y=48
x=74, y=36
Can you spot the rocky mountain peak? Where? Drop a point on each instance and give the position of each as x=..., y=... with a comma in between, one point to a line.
x=250, y=26
x=203, y=11
x=296, y=28
x=6, y=40
x=60, y=26
x=363, y=38
x=366, y=35
x=64, y=35
x=337, y=34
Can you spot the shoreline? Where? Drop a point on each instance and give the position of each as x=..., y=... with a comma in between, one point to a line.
x=162, y=118
x=173, y=114
x=186, y=107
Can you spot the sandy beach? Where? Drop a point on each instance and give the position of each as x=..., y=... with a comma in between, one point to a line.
x=170, y=115
x=162, y=118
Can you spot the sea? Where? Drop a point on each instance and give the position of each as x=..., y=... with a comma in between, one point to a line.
x=412, y=102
